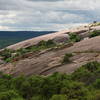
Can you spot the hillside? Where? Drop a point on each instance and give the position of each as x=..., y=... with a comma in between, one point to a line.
x=82, y=30
x=48, y=61
x=59, y=66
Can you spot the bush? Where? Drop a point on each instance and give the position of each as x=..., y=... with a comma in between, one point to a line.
x=22, y=51
x=95, y=33
x=6, y=54
x=92, y=66
x=66, y=58
x=42, y=43
x=46, y=44
x=74, y=37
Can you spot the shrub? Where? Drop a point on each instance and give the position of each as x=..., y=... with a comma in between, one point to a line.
x=66, y=58
x=92, y=66
x=22, y=51
x=6, y=54
x=94, y=33
x=46, y=44
x=74, y=37
x=42, y=43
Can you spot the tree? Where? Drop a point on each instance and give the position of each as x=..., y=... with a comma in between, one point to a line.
x=59, y=97
x=92, y=66
x=74, y=90
x=96, y=84
x=8, y=95
x=37, y=97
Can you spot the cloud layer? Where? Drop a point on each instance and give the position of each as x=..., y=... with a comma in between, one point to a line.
x=47, y=14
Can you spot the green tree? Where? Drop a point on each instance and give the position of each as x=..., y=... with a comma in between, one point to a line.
x=96, y=84
x=37, y=98
x=17, y=99
x=8, y=95
x=59, y=97
x=74, y=90
x=92, y=66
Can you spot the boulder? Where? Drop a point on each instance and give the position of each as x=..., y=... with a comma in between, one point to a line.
x=61, y=39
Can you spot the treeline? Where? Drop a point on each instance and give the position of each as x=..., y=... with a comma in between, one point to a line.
x=83, y=84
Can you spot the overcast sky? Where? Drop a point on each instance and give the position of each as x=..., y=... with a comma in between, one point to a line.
x=47, y=14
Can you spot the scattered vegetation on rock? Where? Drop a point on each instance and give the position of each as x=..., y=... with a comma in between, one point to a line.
x=94, y=33
x=6, y=55
x=9, y=55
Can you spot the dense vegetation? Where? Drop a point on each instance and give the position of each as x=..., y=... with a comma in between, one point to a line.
x=83, y=84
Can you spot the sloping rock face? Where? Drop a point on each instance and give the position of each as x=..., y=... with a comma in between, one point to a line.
x=61, y=39
x=82, y=31
x=48, y=62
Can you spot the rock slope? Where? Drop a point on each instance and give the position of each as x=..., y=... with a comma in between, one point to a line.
x=82, y=30
x=49, y=61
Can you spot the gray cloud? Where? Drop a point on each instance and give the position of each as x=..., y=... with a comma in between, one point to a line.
x=47, y=14
x=45, y=0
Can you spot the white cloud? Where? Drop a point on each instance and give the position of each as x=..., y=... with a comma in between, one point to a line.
x=4, y=28
x=47, y=14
